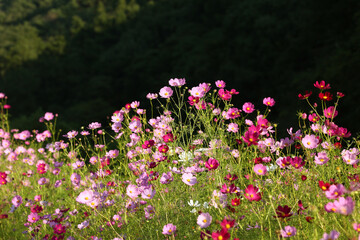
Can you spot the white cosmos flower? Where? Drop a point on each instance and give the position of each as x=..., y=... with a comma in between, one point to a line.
x=192, y=204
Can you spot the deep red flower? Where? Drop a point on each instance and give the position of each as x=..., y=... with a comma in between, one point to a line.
x=36, y=209
x=163, y=148
x=338, y=145
x=283, y=212
x=305, y=96
x=297, y=162
x=309, y=219
x=258, y=160
x=324, y=186
x=327, y=96
x=3, y=216
x=340, y=94
x=303, y=177
x=301, y=207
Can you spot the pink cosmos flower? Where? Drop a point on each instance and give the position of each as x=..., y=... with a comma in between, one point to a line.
x=33, y=217
x=169, y=229
x=310, y=141
x=288, y=231
x=330, y=112
x=94, y=125
x=166, y=178
x=135, y=126
x=344, y=206
x=148, y=193
x=321, y=158
x=204, y=220
x=335, y=191
x=71, y=134
x=177, y=82
x=132, y=191
x=75, y=179
x=197, y=92
x=252, y=193
x=151, y=96
x=332, y=236
x=166, y=92
x=189, y=179
x=269, y=101
x=220, y=84
x=233, y=127
x=48, y=116
x=260, y=169
x=233, y=113
x=43, y=181
x=248, y=107
x=17, y=201
x=212, y=164
x=86, y=197
x=356, y=226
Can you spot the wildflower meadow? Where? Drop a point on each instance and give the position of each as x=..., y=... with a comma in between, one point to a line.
x=194, y=166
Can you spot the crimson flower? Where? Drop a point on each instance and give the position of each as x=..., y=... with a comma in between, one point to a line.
x=301, y=207
x=327, y=96
x=283, y=212
x=305, y=96
x=235, y=201
x=324, y=186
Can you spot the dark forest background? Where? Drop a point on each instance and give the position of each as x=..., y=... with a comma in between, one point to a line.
x=84, y=59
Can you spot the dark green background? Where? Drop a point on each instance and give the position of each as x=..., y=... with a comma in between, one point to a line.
x=84, y=59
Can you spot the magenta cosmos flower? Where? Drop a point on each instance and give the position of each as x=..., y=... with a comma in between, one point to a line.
x=330, y=112
x=169, y=229
x=260, y=169
x=310, y=141
x=269, y=101
x=204, y=220
x=166, y=92
x=252, y=193
x=288, y=231
x=189, y=179
x=248, y=107
x=212, y=164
